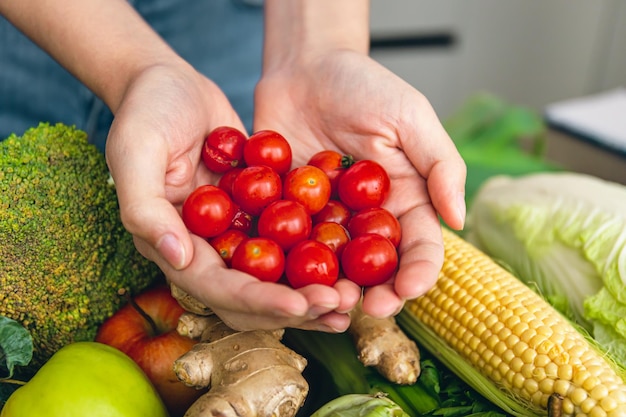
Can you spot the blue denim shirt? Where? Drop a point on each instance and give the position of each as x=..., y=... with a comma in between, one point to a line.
x=220, y=38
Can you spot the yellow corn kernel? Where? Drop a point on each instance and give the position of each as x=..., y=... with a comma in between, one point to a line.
x=521, y=335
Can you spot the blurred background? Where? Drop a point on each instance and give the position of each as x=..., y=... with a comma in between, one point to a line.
x=529, y=52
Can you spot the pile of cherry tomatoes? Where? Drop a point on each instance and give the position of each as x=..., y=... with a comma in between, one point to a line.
x=306, y=225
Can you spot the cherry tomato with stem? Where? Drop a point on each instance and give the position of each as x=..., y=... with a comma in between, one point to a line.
x=208, y=211
x=311, y=262
x=333, y=164
x=332, y=234
x=365, y=184
x=226, y=243
x=260, y=257
x=309, y=186
x=267, y=147
x=376, y=220
x=369, y=260
x=223, y=149
x=256, y=187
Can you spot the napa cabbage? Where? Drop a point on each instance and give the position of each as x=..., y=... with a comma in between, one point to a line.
x=564, y=234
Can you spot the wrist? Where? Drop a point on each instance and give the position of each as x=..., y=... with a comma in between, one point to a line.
x=300, y=30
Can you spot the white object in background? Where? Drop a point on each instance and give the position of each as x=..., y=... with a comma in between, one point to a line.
x=599, y=118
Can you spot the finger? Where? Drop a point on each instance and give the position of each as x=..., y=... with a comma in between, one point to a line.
x=350, y=295
x=322, y=299
x=331, y=323
x=420, y=252
x=437, y=159
x=446, y=186
x=381, y=301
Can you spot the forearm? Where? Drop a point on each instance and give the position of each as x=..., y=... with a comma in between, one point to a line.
x=104, y=43
x=299, y=29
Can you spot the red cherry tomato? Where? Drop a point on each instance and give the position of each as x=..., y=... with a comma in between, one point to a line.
x=270, y=148
x=208, y=211
x=376, y=220
x=311, y=262
x=226, y=180
x=260, y=257
x=256, y=187
x=286, y=222
x=332, y=234
x=369, y=260
x=333, y=211
x=223, y=149
x=226, y=243
x=243, y=222
x=309, y=186
x=365, y=184
x=333, y=164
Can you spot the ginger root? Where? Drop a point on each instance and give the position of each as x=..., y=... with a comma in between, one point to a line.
x=382, y=344
x=188, y=302
x=249, y=373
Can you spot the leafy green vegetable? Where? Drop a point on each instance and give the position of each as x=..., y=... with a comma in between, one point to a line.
x=360, y=405
x=16, y=346
x=609, y=322
x=564, y=234
x=16, y=349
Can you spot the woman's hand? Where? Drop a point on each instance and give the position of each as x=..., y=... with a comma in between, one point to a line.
x=343, y=100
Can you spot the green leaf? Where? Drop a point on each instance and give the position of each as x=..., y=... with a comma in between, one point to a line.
x=16, y=346
x=430, y=378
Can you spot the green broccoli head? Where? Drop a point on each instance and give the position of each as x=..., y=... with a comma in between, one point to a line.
x=64, y=252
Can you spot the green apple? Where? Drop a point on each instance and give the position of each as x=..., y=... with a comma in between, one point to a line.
x=87, y=379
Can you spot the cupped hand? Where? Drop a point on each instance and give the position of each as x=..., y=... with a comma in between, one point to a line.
x=346, y=101
x=153, y=151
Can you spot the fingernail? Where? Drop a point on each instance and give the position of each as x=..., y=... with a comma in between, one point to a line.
x=170, y=248
x=398, y=310
x=461, y=208
x=327, y=329
x=316, y=311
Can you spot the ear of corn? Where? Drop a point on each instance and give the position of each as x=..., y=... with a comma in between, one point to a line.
x=508, y=343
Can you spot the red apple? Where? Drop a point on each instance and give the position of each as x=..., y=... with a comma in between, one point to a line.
x=145, y=329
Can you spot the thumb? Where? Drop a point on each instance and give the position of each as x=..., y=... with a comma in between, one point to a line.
x=145, y=211
x=162, y=239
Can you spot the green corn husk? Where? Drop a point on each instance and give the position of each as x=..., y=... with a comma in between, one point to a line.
x=361, y=405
